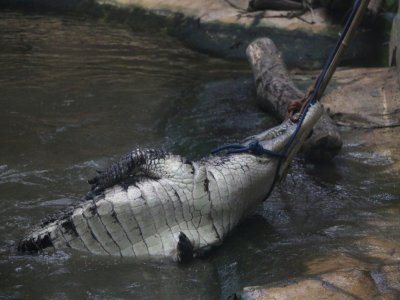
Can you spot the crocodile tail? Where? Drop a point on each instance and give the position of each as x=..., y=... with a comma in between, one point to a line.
x=47, y=234
x=37, y=240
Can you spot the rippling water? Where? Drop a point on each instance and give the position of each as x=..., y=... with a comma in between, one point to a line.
x=76, y=93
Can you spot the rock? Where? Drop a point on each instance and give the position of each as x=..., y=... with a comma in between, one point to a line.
x=366, y=101
x=386, y=251
x=335, y=262
x=390, y=277
x=352, y=283
x=382, y=144
x=365, y=267
x=364, y=98
x=346, y=284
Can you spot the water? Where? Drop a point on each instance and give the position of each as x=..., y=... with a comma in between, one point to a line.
x=77, y=93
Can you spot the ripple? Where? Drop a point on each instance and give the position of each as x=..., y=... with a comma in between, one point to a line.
x=373, y=158
x=35, y=177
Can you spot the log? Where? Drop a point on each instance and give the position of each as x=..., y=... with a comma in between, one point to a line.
x=275, y=90
x=255, y=5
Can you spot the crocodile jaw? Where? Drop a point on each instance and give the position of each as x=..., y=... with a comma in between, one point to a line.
x=276, y=139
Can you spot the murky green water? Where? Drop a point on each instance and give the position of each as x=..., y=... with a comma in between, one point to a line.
x=76, y=93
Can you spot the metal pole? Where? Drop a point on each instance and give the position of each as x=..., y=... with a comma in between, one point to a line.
x=343, y=46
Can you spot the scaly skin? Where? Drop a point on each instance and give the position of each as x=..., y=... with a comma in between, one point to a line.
x=155, y=204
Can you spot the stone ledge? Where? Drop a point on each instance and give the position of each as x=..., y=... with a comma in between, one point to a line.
x=222, y=27
x=364, y=98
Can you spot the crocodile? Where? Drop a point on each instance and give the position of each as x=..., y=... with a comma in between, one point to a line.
x=152, y=203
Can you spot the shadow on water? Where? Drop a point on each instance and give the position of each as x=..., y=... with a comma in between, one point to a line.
x=77, y=93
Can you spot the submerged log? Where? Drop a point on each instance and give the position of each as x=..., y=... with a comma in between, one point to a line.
x=275, y=90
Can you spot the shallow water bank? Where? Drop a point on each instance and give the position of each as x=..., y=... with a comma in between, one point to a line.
x=225, y=29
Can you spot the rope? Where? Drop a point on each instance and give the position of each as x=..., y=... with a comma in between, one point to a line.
x=253, y=147
x=312, y=95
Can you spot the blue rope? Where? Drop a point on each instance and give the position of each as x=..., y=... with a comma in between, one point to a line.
x=255, y=147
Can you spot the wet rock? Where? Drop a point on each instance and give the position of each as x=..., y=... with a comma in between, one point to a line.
x=364, y=98
x=382, y=250
x=335, y=262
x=368, y=267
x=387, y=279
x=346, y=284
x=381, y=143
